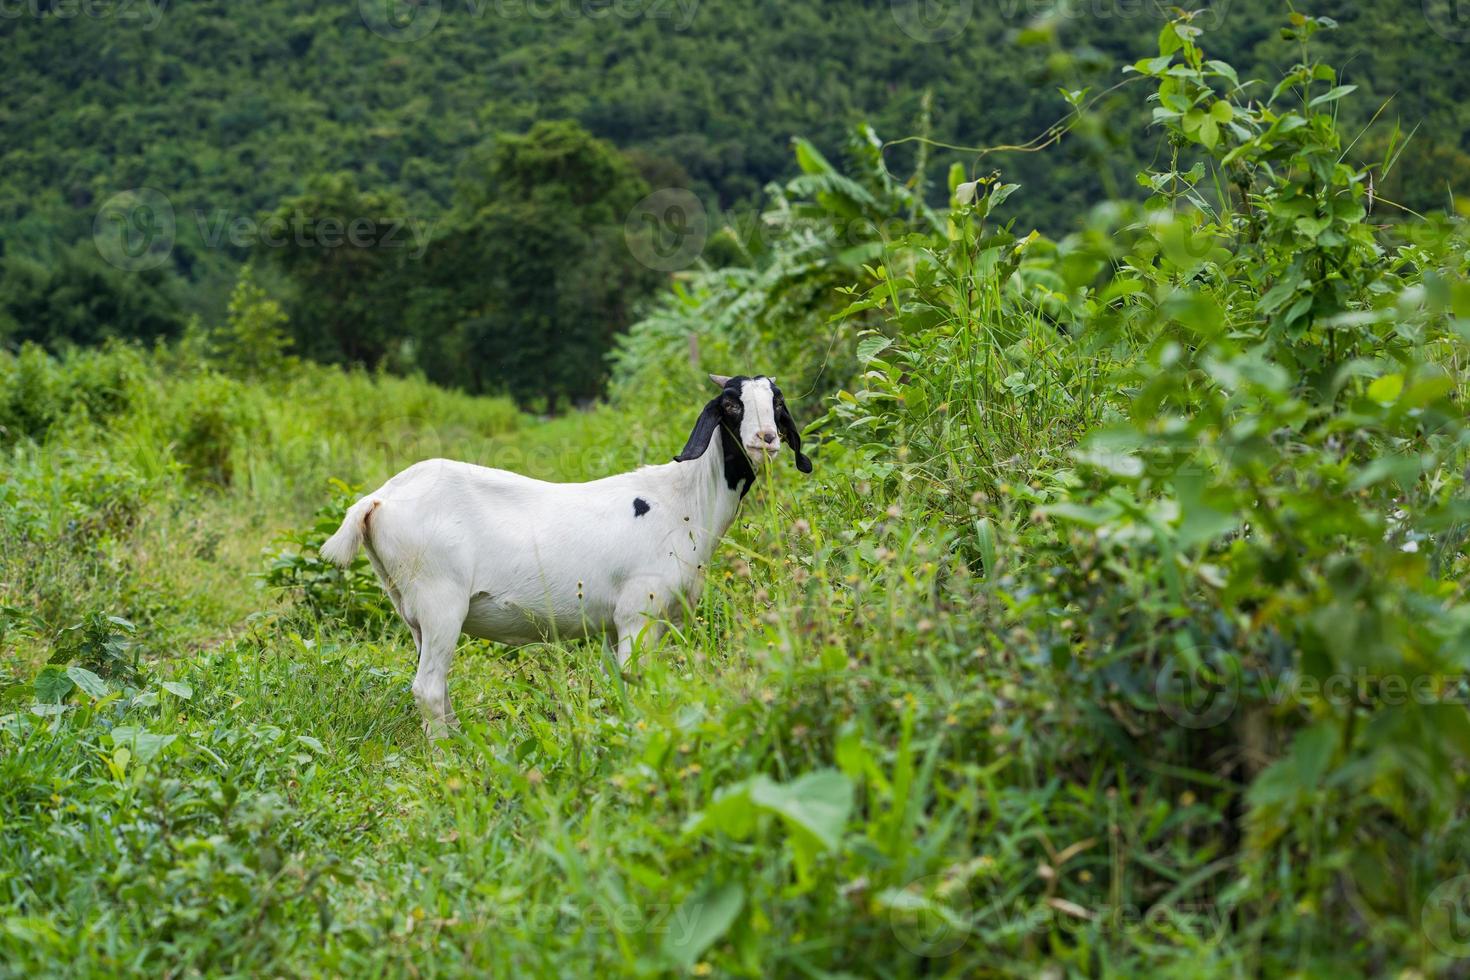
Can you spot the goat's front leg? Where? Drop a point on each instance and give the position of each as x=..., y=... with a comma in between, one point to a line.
x=625, y=645
x=637, y=612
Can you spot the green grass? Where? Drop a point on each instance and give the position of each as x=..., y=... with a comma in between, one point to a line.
x=282, y=812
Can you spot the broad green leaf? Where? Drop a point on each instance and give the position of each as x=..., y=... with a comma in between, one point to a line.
x=1152, y=66
x=1225, y=70
x=985, y=542
x=851, y=754
x=700, y=921
x=809, y=158
x=1122, y=286
x=91, y=685
x=145, y=745
x=179, y=689
x=52, y=685
x=730, y=812
x=1209, y=132
x=1119, y=464
x=1332, y=96
x=1169, y=42
x=1386, y=390
x=871, y=347
x=1311, y=753
x=1276, y=296
x=817, y=803
x=956, y=175
x=311, y=743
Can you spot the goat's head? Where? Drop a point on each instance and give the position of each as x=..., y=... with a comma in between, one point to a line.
x=753, y=414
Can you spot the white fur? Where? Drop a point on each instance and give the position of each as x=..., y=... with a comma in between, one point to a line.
x=464, y=548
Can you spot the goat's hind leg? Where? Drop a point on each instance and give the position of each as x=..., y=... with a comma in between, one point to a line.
x=436, y=628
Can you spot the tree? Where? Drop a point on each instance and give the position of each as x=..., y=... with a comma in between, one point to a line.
x=537, y=264
x=80, y=299
x=252, y=343
x=342, y=248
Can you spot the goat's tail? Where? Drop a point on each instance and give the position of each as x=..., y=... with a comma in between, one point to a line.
x=342, y=547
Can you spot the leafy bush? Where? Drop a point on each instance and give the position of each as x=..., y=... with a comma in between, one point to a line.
x=351, y=595
x=39, y=392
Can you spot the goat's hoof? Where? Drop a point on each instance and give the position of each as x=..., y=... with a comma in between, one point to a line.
x=437, y=731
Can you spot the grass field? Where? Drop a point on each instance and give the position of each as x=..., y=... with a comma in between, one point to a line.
x=1121, y=629
x=238, y=781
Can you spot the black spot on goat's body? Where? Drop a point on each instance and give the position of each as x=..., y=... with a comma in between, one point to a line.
x=640, y=507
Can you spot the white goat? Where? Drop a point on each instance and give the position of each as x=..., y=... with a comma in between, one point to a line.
x=463, y=548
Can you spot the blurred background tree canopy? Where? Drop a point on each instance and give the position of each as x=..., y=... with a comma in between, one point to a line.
x=236, y=112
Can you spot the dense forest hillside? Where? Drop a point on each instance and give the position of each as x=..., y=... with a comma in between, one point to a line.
x=363, y=156
x=229, y=112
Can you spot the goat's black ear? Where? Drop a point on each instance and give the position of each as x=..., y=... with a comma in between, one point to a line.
x=786, y=425
x=704, y=430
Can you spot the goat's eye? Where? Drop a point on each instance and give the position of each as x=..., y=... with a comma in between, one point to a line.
x=734, y=407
